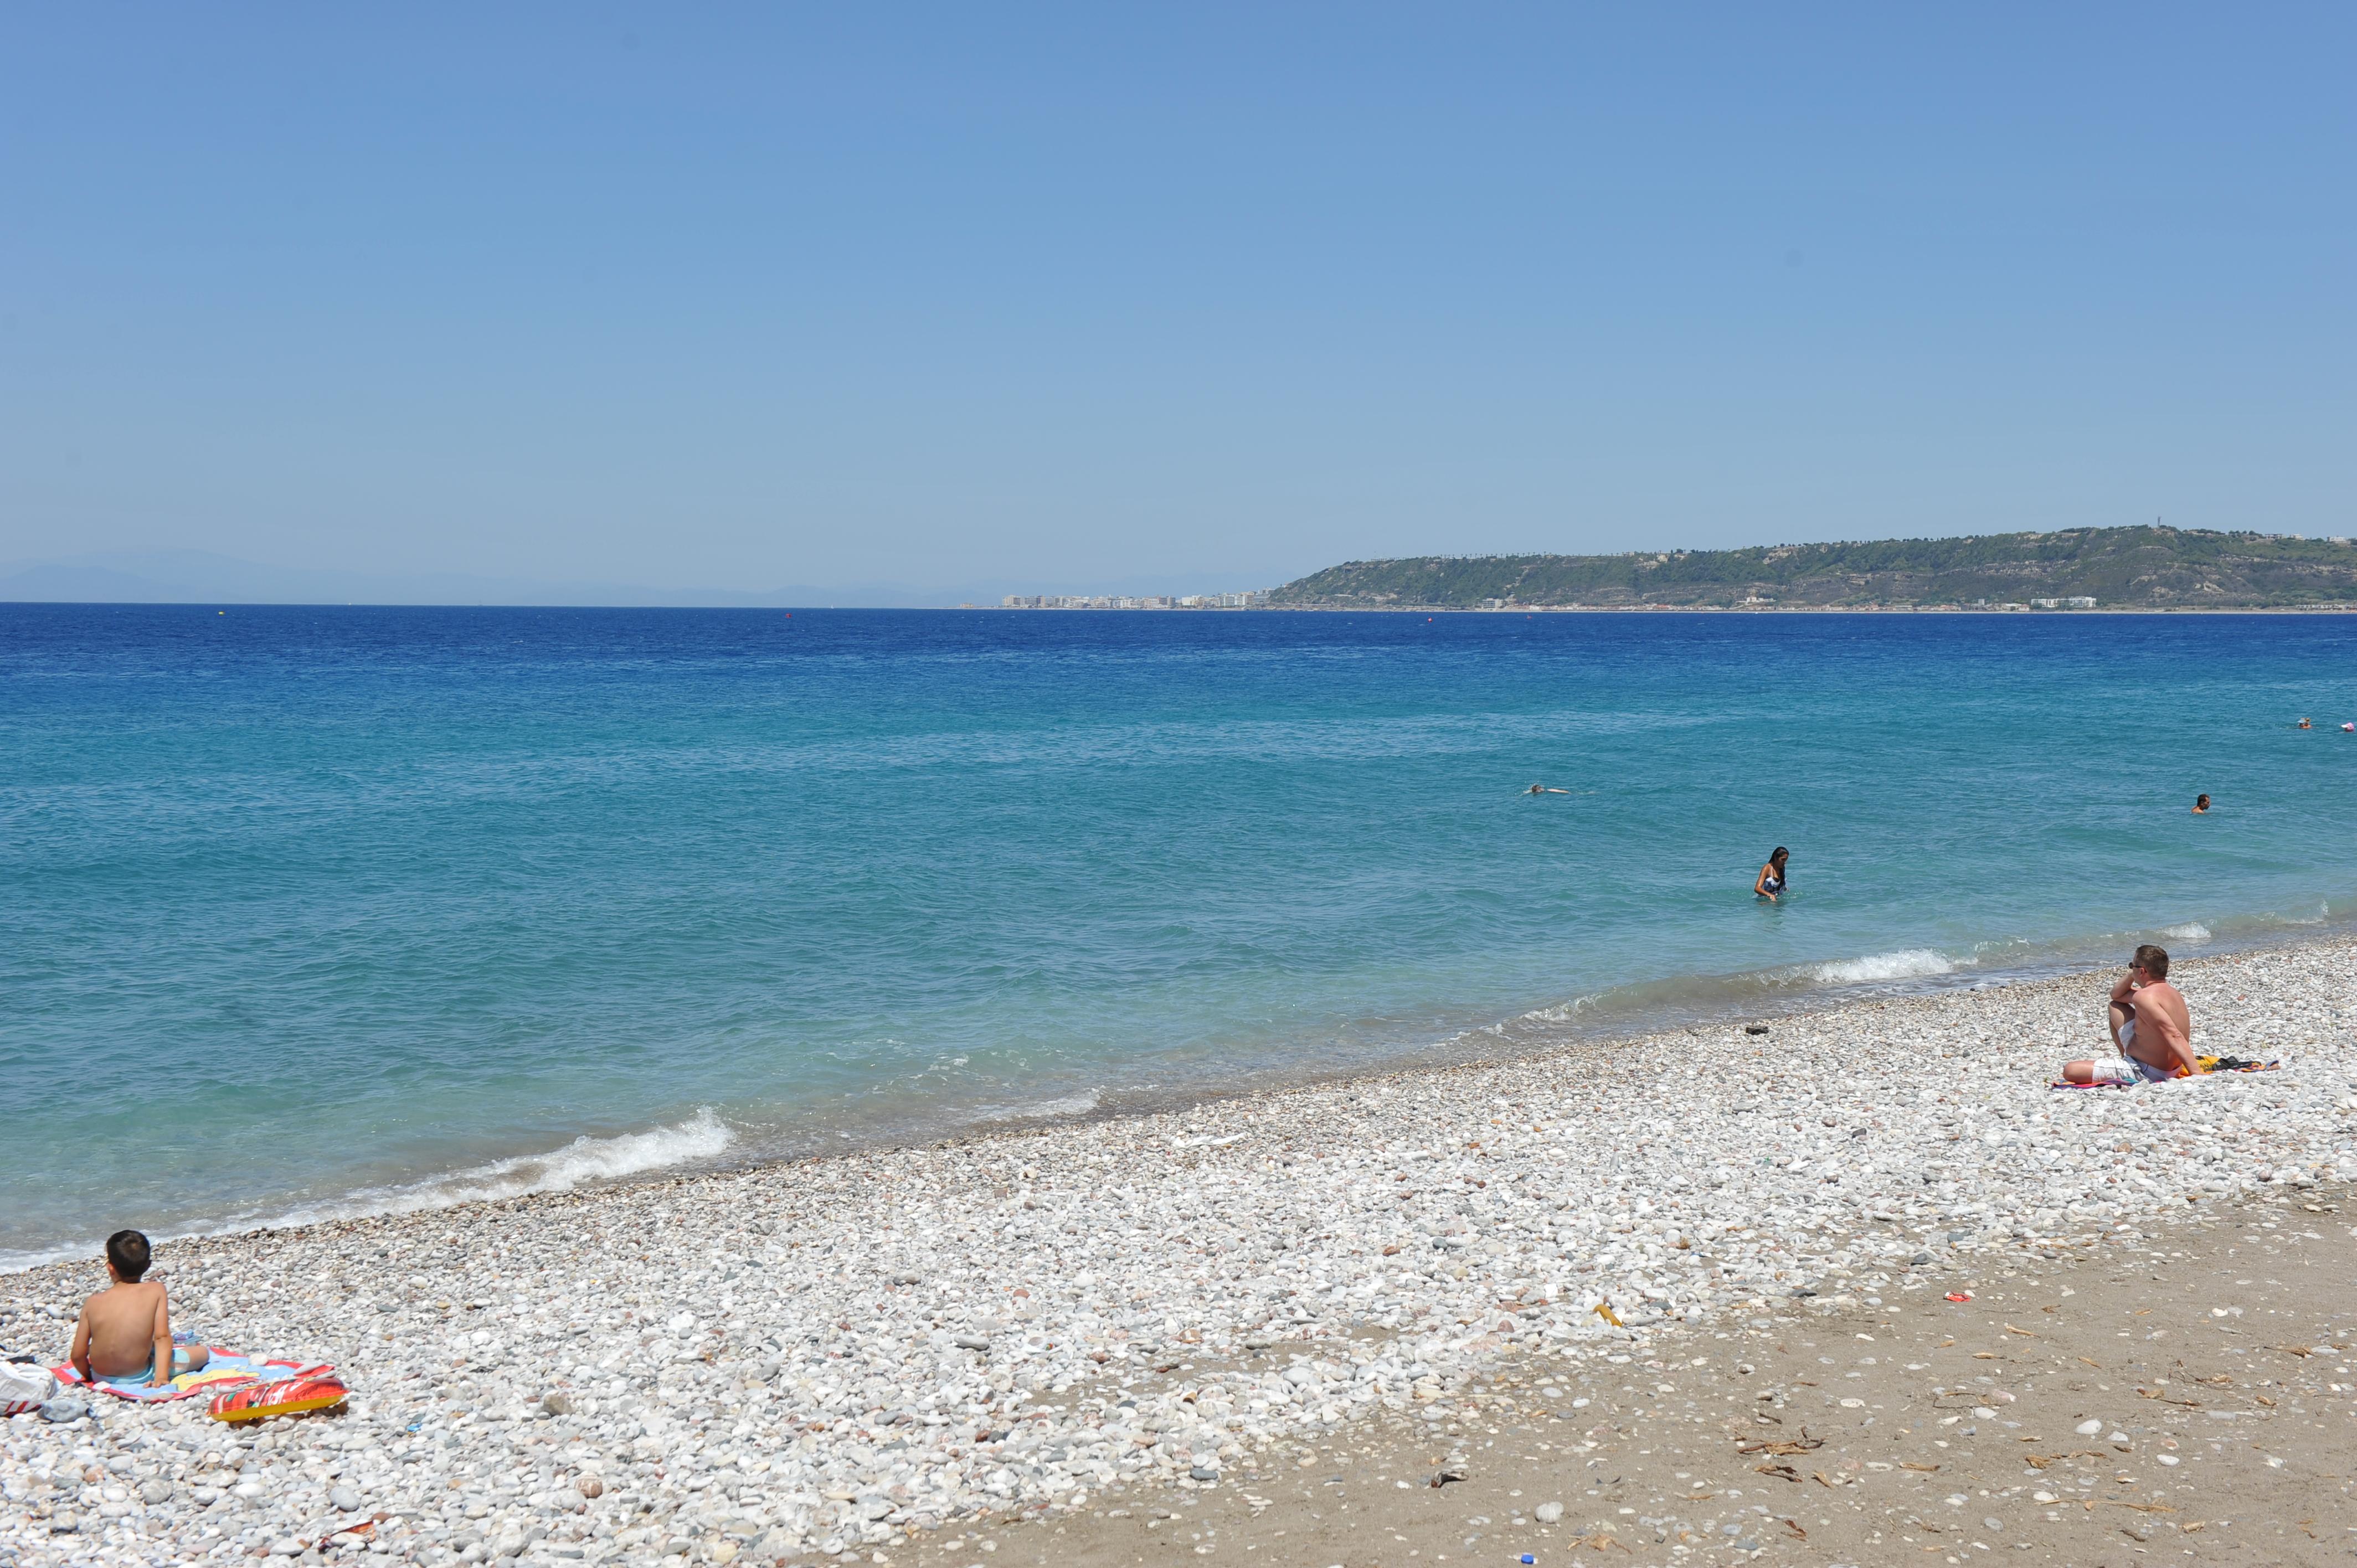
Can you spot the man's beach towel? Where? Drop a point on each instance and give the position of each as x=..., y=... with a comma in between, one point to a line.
x=2207, y=1064
x=226, y=1369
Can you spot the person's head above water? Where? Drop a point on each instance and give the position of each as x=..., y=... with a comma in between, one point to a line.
x=1778, y=856
x=2201, y=803
x=127, y=1255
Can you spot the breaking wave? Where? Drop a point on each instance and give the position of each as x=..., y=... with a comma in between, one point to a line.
x=1908, y=963
x=702, y=1136
x=580, y=1162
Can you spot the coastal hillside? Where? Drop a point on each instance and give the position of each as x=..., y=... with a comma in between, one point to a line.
x=2149, y=568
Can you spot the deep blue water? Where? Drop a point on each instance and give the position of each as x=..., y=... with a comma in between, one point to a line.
x=311, y=908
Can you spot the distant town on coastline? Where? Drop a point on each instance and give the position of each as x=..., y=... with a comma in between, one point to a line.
x=2142, y=568
x=1246, y=601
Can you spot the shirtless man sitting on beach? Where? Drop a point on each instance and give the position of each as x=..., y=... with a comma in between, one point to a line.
x=2150, y=1025
x=124, y=1335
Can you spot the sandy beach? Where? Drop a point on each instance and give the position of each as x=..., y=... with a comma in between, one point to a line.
x=2187, y=1395
x=1064, y=1328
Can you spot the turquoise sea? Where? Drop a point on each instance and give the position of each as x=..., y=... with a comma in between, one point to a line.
x=323, y=910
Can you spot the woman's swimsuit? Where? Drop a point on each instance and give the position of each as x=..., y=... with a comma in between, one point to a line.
x=1772, y=883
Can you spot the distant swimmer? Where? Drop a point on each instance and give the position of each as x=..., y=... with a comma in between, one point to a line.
x=2349, y=729
x=2305, y=724
x=1544, y=790
x=1770, y=885
x=2201, y=805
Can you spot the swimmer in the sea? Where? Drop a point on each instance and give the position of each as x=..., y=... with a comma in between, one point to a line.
x=2305, y=724
x=1544, y=790
x=1770, y=885
x=2200, y=804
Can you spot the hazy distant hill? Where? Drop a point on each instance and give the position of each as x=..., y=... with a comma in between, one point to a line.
x=2118, y=567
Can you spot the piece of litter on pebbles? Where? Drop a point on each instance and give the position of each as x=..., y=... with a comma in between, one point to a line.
x=2088, y=1428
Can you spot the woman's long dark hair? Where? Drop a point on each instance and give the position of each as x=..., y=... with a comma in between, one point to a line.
x=1778, y=856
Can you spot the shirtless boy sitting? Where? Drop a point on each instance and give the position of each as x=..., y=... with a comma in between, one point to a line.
x=124, y=1335
x=2150, y=1025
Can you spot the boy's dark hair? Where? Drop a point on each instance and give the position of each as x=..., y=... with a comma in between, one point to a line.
x=127, y=1251
x=2153, y=961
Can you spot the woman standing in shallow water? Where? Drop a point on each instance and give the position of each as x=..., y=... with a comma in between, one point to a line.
x=1770, y=885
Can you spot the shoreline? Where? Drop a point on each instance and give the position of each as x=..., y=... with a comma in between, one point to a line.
x=1943, y=610
x=859, y=1349
x=1686, y=1003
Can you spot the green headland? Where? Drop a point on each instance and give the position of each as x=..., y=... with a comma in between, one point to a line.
x=2116, y=568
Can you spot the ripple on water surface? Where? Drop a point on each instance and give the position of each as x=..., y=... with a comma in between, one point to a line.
x=314, y=909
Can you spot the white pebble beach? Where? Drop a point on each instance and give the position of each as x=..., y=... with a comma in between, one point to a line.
x=831, y=1356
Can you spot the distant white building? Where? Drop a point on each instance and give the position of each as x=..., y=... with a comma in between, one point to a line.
x=1144, y=602
x=2075, y=602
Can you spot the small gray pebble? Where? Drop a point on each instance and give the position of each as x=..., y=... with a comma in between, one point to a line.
x=346, y=1500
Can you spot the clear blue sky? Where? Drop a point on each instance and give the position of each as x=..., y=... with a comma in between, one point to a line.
x=747, y=295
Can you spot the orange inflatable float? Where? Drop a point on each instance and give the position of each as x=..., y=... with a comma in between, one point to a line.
x=315, y=1387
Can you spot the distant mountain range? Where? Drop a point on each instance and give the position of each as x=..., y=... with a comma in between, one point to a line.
x=196, y=576
x=2123, y=568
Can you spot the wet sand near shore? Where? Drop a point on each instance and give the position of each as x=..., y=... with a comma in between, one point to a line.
x=2215, y=1359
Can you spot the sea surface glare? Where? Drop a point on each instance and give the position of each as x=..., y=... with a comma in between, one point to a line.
x=321, y=910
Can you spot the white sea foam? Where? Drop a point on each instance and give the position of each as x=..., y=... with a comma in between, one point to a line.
x=1070, y=1105
x=585, y=1159
x=2191, y=932
x=580, y=1162
x=1908, y=963
x=1561, y=1013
